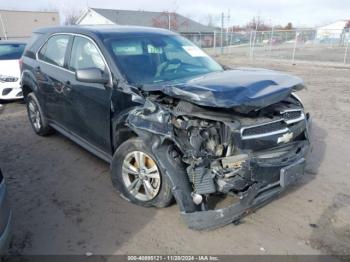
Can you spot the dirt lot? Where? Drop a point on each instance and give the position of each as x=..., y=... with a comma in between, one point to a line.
x=64, y=203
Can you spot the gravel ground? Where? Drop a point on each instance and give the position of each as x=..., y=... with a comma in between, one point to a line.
x=64, y=203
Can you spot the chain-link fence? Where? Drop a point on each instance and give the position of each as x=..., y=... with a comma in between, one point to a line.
x=317, y=45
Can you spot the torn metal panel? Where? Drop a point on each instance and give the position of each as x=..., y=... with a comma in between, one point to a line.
x=151, y=117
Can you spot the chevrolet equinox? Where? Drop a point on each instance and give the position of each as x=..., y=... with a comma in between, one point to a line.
x=171, y=121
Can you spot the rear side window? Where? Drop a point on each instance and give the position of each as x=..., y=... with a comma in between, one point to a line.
x=85, y=55
x=54, y=50
x=35, y=36
x=11, y=51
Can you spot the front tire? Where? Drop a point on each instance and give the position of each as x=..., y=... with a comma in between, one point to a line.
x=36, y=117
x=138, y=177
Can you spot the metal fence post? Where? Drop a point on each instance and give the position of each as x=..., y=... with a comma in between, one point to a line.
x=250, y=44
x=271, y=39
x=253, y=44
x=3, y=26
x=214, y=44
x=346, y=51
x=222, y=34
x=295, y=46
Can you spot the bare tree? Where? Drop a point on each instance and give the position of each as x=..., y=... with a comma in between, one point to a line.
x=210, y=20
x=72, y=17
x=289, y=26
x=347, y=26
x=169, y=20
x=257, y=23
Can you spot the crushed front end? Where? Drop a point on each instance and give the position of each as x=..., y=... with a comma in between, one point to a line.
x=210, y=153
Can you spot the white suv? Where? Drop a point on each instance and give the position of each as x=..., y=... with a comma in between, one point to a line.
x=10, y=73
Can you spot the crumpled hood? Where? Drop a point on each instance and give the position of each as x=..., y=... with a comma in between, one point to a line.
x=242, y=89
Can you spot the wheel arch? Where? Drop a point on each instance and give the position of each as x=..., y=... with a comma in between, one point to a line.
x=122, y=133
x=28, y=83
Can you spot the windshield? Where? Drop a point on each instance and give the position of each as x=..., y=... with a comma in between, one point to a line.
x=11, y=51
x=160, y=58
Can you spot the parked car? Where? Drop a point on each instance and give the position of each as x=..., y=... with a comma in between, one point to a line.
x=168, y=118
x=5, y=217
x=273, y=41
x=10, y=55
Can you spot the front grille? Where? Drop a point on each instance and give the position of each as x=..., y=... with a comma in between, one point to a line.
x=291, y=115
x=272, y=128
x=264, y=128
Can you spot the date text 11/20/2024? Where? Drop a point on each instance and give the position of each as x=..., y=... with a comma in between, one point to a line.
x=173, y=258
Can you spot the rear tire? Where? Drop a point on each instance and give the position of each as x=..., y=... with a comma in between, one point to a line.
x=36, y=117
x=142, y=184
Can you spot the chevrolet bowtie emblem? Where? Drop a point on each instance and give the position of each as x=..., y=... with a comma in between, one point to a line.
x=285, y=138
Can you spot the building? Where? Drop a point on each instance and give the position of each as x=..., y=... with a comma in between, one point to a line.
x=20, y=24
x=201, y=34
x=333, y=32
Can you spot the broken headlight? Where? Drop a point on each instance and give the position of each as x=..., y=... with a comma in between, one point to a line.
x=200, y=138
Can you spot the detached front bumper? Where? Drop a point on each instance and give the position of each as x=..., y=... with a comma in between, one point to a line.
x=288, y=171
x=255, y=197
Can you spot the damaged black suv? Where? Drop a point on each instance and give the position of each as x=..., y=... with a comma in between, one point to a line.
x=171, y=121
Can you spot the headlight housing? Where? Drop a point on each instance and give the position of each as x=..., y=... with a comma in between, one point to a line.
x=4, y=79
x=297, y=98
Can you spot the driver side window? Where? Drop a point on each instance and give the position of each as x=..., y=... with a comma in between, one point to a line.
x=85, y=55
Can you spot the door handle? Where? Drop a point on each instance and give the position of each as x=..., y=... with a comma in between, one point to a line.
x=37, y=69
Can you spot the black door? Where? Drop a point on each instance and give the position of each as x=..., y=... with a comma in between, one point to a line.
x=51, y=74
x=88, y=104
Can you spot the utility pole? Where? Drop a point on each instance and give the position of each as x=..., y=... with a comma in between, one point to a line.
x=271, y=37
x=3, y=26
x=227, y=25
x=222, y=33
x=346, y=51
x=257, y=23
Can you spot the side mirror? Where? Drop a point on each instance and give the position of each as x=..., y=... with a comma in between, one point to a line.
x=92, y=75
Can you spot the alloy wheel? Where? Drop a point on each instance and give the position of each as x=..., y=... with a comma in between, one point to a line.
x=141, y=176
x=34, y=114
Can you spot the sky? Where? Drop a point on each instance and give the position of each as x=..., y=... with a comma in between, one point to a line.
x=303, y=13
